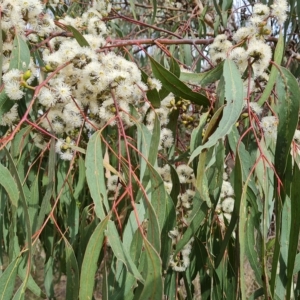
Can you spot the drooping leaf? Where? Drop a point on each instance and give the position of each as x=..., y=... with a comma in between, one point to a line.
x=95, y=174
x=288, y=113
x=81, y=178
x=9, y=184
x=240, y=212
x=166, y=241
x=232, y=110
x=89, y=264
x=72, y=288
x=294, y=233
x=120, y=252
x=45, y=205
x=7, y=279
x=20, y=58
x=26, y=220
x=154, y=3
x=153, y=286
x=31, y=284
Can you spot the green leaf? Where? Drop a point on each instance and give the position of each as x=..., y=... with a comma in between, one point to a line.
x=26, y=219
x=120, y=282
x=294, y=233
x=7, y=279
x=281, y=278
x=204, y=78
x=49, y=277
x=288, y=112
x=105, y=288
x=132, y=6
x=20, y=141
x=45, y=206
x=95, y=174
x=89, y=264
x=154, y=3
x=170, y=285
x=274, y=71
x=232, y=110
x=166, y=241
x=154, y=97
x=20, y=58
x=120, y=252
x=9, y=184
x=171, y=83
x=20, y=55
x=81, y=178
x=31, y=284
x=153, y=287
x=78, y=36
x=72, y=288
x=250, y=245
x=240, y=212
x=174, y=67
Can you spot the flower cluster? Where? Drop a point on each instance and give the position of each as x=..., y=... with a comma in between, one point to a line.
x=64, y=148
x=251, y=48
x=225, y=204
x=184, y=207
x=269, y=126
x=181, y=261
x=183, y=210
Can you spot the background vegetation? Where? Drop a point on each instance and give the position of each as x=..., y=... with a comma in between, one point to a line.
x=150, y=149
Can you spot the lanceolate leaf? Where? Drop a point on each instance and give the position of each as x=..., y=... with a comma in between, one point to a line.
x=295, y=228
x=20, y=55
x=20, y=58
x=232, y=110
x=120, y=252
x=9, y=184
x=72, y=289
x=154, y=11
x=95, y=174
x=7, y=279
x=89, y=264
x=288, y=113
x=153, y=287
x=171, y=83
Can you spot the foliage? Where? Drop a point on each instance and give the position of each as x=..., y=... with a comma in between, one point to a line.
x=151, y=144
